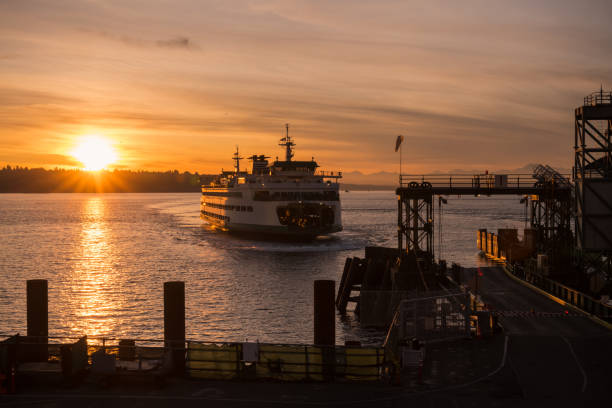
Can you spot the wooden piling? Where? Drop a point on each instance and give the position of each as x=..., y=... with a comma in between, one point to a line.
x=37, y=292
x=348, y=280
x=324, y=313
x=174, y=324
x=347, y=266
x=325, y=325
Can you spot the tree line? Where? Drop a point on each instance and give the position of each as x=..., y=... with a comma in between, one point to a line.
x=38, y=180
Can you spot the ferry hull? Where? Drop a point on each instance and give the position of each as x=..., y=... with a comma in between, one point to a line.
x=280, y=231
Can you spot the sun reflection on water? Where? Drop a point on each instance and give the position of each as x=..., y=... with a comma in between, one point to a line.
x=94, y=299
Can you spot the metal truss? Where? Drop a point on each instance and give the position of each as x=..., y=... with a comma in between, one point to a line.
x=415, y=221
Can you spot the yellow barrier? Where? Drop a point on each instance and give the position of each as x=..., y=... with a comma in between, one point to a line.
x=214, y=361
x=290, y=363
x=363, y=364
x=285, y=362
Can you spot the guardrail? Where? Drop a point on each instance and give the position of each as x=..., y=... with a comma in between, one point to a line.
x=569, y=295
x=482, y=181
x=329, y=174
x=206, y=360
x=598, y=98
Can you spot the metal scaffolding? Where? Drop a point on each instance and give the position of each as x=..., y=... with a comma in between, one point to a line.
x=593, y=180
x=415, y=220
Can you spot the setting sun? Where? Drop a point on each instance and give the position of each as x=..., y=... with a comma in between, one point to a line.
x=95, y=153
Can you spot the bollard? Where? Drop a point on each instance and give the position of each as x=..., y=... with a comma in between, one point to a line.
x=37, y=320
x=325, y=325
x=324, y=313
x=174, y=324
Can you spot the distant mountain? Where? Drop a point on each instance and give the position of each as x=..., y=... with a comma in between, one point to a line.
x=382, y=178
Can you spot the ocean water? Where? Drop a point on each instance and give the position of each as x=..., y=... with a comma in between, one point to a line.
x=106, y=257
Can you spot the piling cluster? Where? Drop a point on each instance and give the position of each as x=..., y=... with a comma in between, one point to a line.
x=377, y=283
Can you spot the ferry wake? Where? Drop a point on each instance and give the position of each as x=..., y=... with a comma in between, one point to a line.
x=287, y=198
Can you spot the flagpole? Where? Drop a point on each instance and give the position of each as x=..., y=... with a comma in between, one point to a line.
x=398, y=145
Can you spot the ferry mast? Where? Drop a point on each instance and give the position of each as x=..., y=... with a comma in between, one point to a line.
x=237, y=159
x=287, y=143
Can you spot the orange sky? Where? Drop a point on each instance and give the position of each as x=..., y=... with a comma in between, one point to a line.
x=177, y=84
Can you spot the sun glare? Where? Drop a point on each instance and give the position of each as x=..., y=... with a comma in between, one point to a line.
x=95, y=153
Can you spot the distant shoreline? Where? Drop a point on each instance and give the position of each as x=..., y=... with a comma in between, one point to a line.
x=343, y=188
x=23, y=180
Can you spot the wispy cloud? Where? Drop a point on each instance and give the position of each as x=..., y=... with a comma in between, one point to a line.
x=177, y=42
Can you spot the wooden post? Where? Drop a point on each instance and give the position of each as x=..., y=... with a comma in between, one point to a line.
x=325, y=325
x=174, y=324
x=324, y=313
x=37, y=319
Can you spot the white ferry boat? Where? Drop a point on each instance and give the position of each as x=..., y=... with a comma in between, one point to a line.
x=288, y=198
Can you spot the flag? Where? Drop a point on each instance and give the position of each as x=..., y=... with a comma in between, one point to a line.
x=398, y=142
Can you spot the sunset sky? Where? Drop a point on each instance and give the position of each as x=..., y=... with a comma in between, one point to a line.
x=177, y=84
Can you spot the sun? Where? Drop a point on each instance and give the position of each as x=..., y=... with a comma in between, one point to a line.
x=95, y=153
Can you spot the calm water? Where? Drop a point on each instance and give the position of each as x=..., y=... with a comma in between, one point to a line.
x=106, y=257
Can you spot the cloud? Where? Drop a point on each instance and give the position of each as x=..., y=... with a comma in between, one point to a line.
x=50, y=159
x=12, y=96
x=474, y=84
x=176, y=42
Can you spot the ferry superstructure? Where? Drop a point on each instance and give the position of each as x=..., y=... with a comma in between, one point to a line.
x=286, y=198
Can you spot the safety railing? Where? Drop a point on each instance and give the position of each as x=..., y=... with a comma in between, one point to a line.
x=207, y=360
x=598, y=98
x=565, y=293
x=130, y=354
x=329, y=174
x=477, y=181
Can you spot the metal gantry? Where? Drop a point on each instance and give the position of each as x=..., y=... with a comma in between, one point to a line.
x=593, y=180
x=593, y=172
x=551, y=215
x=415, y=220
x=549, y=195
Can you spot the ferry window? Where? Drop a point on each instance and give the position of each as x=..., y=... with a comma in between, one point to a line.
x=250, y=209
x=222, y=193
x=261, y=196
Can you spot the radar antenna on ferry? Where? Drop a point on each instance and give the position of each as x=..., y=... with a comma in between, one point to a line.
x=288, y=143
x=237, y=159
